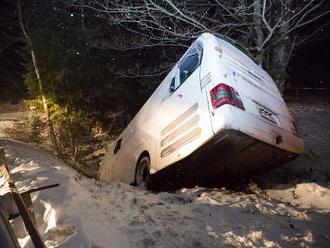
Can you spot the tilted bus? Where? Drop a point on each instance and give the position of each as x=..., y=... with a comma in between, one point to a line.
x=216, y=100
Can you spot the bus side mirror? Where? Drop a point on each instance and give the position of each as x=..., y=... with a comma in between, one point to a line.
x=172, y=86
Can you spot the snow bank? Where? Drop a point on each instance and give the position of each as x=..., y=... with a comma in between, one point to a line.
x=82, y=212
x=308, y=195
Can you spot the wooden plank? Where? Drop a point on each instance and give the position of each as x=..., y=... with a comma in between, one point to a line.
x=23, y=210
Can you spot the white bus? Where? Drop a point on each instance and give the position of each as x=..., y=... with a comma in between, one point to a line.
x=215, y=100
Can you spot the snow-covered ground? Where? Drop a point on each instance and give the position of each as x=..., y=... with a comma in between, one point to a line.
x=306, y=180
x=83, y=212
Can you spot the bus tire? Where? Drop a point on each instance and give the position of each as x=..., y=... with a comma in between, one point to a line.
x=142, y=172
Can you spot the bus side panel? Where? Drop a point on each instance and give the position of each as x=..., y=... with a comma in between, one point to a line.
x=112, y=167
x=137, y=137
x=184, y=118
x=148, y=125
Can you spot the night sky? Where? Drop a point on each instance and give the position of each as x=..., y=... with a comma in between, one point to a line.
x=310, y=64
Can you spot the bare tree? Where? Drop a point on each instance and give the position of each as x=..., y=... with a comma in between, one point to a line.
x=269, y=29
x=51, y=133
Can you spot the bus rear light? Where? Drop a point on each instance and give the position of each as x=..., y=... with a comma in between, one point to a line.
x=224, y=94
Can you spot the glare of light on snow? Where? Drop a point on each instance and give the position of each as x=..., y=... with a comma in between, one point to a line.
x=34, y=197
x=41, y=178
x=49, y=216
x=4, y=186
x=249, y=240
x=23, y=241
x=308, y=238
x=51, y=244
x=31, y=166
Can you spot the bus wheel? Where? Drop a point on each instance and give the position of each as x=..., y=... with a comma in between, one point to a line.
x=142, y=172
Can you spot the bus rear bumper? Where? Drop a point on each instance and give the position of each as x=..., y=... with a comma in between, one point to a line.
x=233, y=151
x=233, y=118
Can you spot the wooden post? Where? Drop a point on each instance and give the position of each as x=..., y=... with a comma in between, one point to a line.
x=2, y=156
x=23, y=210
x=7, y=236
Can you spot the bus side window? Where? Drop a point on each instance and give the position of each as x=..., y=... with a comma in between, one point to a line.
x=188, y=65
x=117, y=147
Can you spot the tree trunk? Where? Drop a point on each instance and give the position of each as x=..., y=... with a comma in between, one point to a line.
x=257, y=22
x=281, y=54
x=279, y=59
x=49, y=123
